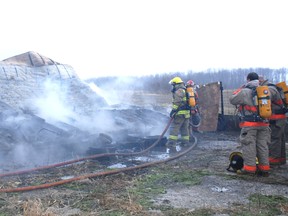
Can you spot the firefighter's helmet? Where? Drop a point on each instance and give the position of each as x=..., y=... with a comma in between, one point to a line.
x=236, y=161
x=190, y=83
x=175, y=80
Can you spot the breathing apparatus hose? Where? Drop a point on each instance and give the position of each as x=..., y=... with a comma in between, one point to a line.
x=104, y=173
x=89, y=157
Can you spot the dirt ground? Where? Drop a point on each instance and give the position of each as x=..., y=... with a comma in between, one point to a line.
x=194, y=184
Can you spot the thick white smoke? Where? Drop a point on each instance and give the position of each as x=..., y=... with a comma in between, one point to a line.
x=117, y=91
x=53, y=106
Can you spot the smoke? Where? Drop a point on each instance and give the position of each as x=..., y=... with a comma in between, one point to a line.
x=124, y=94
x=118, y=91
x=56, y=130
x=111, y=96
x=53, y=106
x=126, y=91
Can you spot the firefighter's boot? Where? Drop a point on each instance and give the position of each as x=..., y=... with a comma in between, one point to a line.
x=261, y=173
x=245, y=173
x=170, y=147
x=170, y=143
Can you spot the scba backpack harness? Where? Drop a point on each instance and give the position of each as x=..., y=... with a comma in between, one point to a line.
x=261, y=99
x=283, y=91
x=190, y=94
x=261, y=108
x=282, y=87
x=195, y=121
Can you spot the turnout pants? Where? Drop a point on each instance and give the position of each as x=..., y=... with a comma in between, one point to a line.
x=180, y=125
x=277, y=149
x=254, y=141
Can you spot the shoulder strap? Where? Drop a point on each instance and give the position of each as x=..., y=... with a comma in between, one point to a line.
x=280, y=90
x=253, y=88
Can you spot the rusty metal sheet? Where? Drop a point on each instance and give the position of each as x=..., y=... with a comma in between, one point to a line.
x=209, y=99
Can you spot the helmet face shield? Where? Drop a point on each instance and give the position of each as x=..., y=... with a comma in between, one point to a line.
x=173, y=89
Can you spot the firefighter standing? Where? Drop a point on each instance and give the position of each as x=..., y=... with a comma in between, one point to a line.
x=277, y=149
x=181, y=114
x=255, y=132
x=195, y=119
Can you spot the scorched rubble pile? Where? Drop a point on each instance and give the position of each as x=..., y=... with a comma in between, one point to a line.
x=27, y=82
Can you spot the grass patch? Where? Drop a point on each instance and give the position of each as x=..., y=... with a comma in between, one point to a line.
x=150, y=184
x=76, y=186
x=3, y=202
x=86, y=204
x=114, y=213
x=269, y=205
x=190, y=177
x=160, y=179
x=263, y=205
x=170, y=211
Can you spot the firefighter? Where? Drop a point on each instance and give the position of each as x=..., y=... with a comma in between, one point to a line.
x=255, y=131
x=195, y=119
x=181, y=114
x=277, y=149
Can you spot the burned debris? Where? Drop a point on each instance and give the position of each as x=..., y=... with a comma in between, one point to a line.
x=36, y=130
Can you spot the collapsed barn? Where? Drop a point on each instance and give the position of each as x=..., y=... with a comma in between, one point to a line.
x=48, y=114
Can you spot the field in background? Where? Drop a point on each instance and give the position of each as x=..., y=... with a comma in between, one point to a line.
x=164, y=100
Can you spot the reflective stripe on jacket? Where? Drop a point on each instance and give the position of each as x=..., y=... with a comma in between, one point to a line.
x=277, y=116
x=252, y=124
x=248, y=111
x=180, y=101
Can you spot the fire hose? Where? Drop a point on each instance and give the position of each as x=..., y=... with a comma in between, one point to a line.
x=104, y=173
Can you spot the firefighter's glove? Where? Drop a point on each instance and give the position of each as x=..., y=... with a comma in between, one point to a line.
x=172, y=113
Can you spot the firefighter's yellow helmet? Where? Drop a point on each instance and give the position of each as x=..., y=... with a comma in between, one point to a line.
x=175, y=80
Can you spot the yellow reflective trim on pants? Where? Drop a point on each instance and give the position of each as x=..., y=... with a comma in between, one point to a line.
x=185, y=138
x=171, y=137
x=184, y=112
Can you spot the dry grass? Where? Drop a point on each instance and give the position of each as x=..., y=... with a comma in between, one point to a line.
x=35, y=208
x=126, y=203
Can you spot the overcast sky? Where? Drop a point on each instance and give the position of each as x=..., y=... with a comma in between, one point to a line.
x=128, y=37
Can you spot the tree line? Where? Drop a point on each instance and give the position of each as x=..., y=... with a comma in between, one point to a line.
x=158, y=83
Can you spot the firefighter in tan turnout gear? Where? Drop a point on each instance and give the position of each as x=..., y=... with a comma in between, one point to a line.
x=181, y=114
x=255, y=131
x=277, y=149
